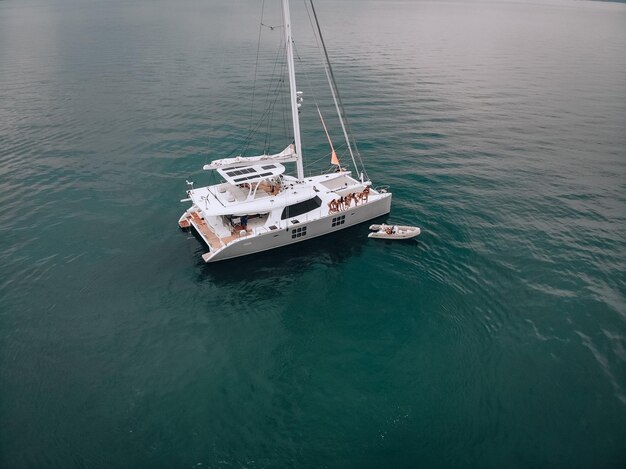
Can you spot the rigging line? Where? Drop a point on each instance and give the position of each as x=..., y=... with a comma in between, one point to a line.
x=278, y=92
x=325, y=157
x=267, y=104
x=330, y=142
x=277, y=60
x=253, y=130
x=284, y=104
x=256, y=64
x=270, y=117
x=335, y=92
x=267, y=130
x=220, y=73
x=331, y=82
x=306, y=75
x=272, y=28
x=286, y=128
x=310, y=84
x=314, y=95
x=266, y=112
x=256, y=128
x=270, y=106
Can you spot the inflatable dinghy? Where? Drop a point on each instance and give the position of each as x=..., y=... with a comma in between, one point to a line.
x=393, y=232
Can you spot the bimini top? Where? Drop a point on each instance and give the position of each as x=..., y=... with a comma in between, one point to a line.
x=251, y=174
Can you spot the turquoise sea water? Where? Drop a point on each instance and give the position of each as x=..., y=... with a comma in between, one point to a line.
x=496, y=340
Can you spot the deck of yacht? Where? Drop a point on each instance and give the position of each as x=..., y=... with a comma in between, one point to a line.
x=229, y=193
x=215, y=242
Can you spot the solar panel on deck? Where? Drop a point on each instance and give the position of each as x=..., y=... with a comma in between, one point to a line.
x=245, y=178
x=254, y=176
x=251, y=173
x=239, y=172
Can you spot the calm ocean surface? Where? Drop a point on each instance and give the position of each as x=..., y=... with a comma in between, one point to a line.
x=496, y=340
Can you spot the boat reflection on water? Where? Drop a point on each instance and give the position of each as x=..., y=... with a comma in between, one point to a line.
x=275, y=268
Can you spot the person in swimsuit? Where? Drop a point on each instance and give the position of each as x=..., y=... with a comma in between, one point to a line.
x=332, y=206
x=366, y=193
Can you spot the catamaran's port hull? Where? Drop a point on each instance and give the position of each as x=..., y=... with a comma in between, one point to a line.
x=303, y=231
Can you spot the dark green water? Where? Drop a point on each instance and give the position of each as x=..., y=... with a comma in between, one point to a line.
x=497, y=340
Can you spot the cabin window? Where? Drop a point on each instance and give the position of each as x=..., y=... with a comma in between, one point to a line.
x=298, y=232
x=339, y=220
x=301, y=207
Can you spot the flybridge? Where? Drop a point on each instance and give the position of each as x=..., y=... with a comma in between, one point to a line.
x=251, y=174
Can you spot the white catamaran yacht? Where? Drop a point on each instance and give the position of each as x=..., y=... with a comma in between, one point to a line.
x=258, y=207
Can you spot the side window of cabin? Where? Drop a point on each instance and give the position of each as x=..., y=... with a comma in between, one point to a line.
x=338, y=220
x=301, y=207
x=298, y=232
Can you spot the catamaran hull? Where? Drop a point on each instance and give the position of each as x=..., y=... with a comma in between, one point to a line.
x=303, y=231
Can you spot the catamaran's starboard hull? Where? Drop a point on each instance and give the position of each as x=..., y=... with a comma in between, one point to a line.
x=303, y=231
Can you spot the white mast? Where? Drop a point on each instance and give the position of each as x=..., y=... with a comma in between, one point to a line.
x=292, y=88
